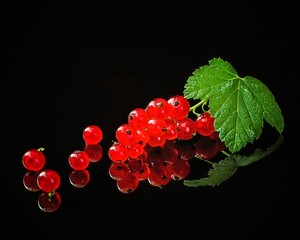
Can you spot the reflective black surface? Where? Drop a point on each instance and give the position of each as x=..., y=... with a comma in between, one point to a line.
x=72, y=64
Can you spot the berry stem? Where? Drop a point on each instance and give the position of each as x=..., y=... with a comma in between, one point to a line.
x=201, y=103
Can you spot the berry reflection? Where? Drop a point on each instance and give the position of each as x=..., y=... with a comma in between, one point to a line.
x=79, y=178
x=49, y=202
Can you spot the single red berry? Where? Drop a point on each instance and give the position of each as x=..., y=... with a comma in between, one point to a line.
x=187, y=129
x=126, y=134
x=138, y=118
x=179, y=107
x=118, y=152
x=158, y=107
x=34, y=159
x=48, y=180
x=205, y=124
x=79, y=160
x=92, y=134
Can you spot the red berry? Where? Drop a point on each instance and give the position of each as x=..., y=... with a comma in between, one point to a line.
x=179, y=107
x=79, y=160
x=205, y=124
x=158, y=107
x=187, y=129
x=138, y=118
x=118, y=152
x=34, y=159
x=92, y=134
x=126, y=134
x=48, y=180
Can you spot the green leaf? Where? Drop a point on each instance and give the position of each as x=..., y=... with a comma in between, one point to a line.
x=240, y=105
x=220, y=172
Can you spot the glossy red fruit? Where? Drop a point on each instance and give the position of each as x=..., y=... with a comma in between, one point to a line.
x=92, y=134
x=118, y=152
x=34, y=159
x=138, y=118
x=179, y=107
x=205, y=124
x=48, y=180
x=79, y=160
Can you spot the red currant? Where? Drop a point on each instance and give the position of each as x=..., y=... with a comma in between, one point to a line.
x=187, y=129
x=179, y=107
x=118, y=152
x=138, y=118
x=79, y=160
x=158, y=107
x=92, y=134
x=34, y=159
x=48, y=180
x=205, y=124
x=126, y=134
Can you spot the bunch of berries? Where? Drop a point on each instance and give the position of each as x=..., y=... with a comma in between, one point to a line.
x=149, y=146
x=47, y=181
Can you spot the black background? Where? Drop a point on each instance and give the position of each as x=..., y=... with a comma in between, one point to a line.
x=74, y=63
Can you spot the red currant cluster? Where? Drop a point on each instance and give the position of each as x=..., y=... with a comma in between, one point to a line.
x=150, y=145
x=47, y=180
x=39, y=179
x=79, y=160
